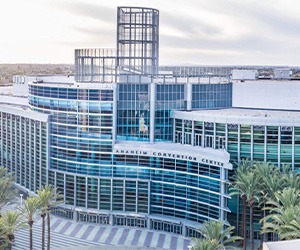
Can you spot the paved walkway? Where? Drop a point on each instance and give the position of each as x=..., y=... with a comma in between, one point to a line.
x=67, y=234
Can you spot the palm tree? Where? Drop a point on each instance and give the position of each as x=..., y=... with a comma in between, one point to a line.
x=7, y=190
x=285, y=223
x=30, y=208
x=3, y=239
x=11, y=222
x=252, y=196
x=291, y=179
x=202, y=245
x=48, y=197
x=283, y=210
x=288, y=197
x=217, y=237
x=239, y=187
x=293, y=227
x=271, y=182
x=43, y=198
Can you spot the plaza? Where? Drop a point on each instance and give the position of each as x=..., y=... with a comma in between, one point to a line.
x=68, y=234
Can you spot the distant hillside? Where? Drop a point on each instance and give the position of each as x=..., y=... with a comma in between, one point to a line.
x=8, y=70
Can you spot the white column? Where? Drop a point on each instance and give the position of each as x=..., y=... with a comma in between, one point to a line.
x=293, y=148
x=152, y=110
x=111, y=219
x=265, y=144
x=48, y=150
x=86, y=192
x=222, y=179
x=279, y=146
x=239, y=143
x=75, y=216
x=193, y=133
x=189, y=96
x=34, y=123
x=252, y=142
x=148, y=223
x=115, y=103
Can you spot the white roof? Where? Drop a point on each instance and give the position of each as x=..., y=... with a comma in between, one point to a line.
x=24, y=111
x=7, y=99
x=282, y=245
x=80, y=85
x=242, y=116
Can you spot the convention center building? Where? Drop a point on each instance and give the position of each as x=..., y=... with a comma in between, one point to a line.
x=128, y=142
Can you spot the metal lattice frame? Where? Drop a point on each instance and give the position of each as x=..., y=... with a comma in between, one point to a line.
x=138, y=39
x=95, y=65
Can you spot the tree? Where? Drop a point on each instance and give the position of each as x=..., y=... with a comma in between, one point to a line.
x=291, y=179
x=7, y=190
x=288, y=197
x=239, y=187
x=48, y=197
x=283, y=218
x=252, y=196
x=30, y=208
x=215, y=237
x=10, y=222
x=202, y=245
x=293, y=227
x=285, y=223
x=3, y=239
x=271, y=181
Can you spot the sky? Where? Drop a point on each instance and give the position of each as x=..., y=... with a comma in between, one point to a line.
x=202, y=32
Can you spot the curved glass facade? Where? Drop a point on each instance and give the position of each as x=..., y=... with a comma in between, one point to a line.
x=108, y=143
x=81, y=126
x=93, y=175
x=258, y=139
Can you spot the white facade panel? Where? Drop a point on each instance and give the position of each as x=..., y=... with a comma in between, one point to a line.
x=266, y=95
x=244, y=74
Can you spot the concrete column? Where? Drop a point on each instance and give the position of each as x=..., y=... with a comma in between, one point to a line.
x=265, y=144
x=111, y=220
x=279, y=146
x=293, y=148
x=149, y=223
x=115, y=103
x=184, y=233
x=252, y=141
x=152, y=110
x=75, y=215
x=222, y=175
x=189, y=96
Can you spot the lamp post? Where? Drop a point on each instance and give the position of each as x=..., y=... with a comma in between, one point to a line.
x=21, y=196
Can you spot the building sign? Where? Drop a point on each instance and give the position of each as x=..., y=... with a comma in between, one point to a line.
x=165, y=154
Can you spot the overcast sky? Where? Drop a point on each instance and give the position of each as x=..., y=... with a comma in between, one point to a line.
x=205, y=32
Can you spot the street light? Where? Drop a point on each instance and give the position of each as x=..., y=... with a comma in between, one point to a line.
x=21, y=196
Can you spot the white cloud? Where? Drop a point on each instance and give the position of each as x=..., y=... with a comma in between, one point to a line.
x=192, y=31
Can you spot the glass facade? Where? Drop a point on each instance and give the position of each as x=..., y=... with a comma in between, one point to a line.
x=81, y=129
x=109, y=143
x=274, y=144
x=92, y=176
x=24, y=147
x=133, y=112
x=207, y=96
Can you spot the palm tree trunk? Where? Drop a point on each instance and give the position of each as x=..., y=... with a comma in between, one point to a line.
x=251, y=228
x=30, y=235
x=43, y=230
x=262, y=237
x=244, y=235
x=10, y=239
x=48, y=224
